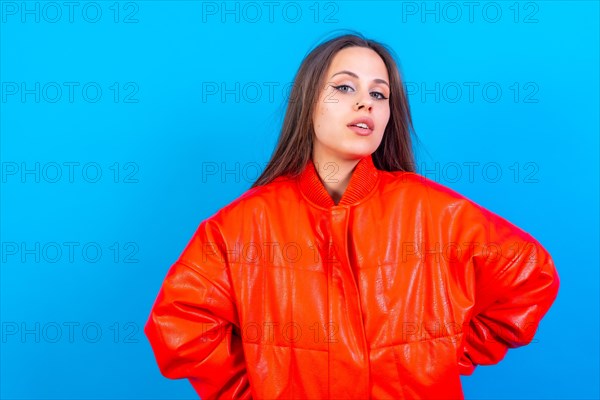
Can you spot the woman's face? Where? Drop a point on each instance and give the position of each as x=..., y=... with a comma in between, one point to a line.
x=356, y=75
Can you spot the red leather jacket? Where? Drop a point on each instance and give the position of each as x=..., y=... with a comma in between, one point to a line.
x=392, y=293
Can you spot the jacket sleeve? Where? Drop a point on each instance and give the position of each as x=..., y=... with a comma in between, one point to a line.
x=193, y=326
x=515, y=284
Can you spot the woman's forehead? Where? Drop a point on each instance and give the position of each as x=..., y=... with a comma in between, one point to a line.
x=360, y=61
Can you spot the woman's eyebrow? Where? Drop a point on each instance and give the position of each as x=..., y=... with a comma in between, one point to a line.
x=356, y=76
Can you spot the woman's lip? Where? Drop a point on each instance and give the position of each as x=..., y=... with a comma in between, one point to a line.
x=360, y=131
x=364, y=120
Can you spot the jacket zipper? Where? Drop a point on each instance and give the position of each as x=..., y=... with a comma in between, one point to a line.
x=345, y=213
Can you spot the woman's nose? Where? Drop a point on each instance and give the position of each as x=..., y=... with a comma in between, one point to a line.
x=364, y=102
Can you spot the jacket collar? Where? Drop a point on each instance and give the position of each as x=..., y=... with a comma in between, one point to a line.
x=363, y=180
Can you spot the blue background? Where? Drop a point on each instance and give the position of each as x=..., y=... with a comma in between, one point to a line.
x=157, y=127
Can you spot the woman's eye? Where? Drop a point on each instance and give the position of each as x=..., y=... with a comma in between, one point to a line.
x=379, y=96
x=347, y=88
x=342, y=86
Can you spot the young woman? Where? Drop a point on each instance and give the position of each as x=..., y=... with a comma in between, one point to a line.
x=341, y=273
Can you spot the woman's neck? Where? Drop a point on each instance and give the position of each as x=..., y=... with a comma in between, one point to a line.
x=335, y=175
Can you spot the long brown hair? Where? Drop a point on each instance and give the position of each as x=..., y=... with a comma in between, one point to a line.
x=295, y=143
